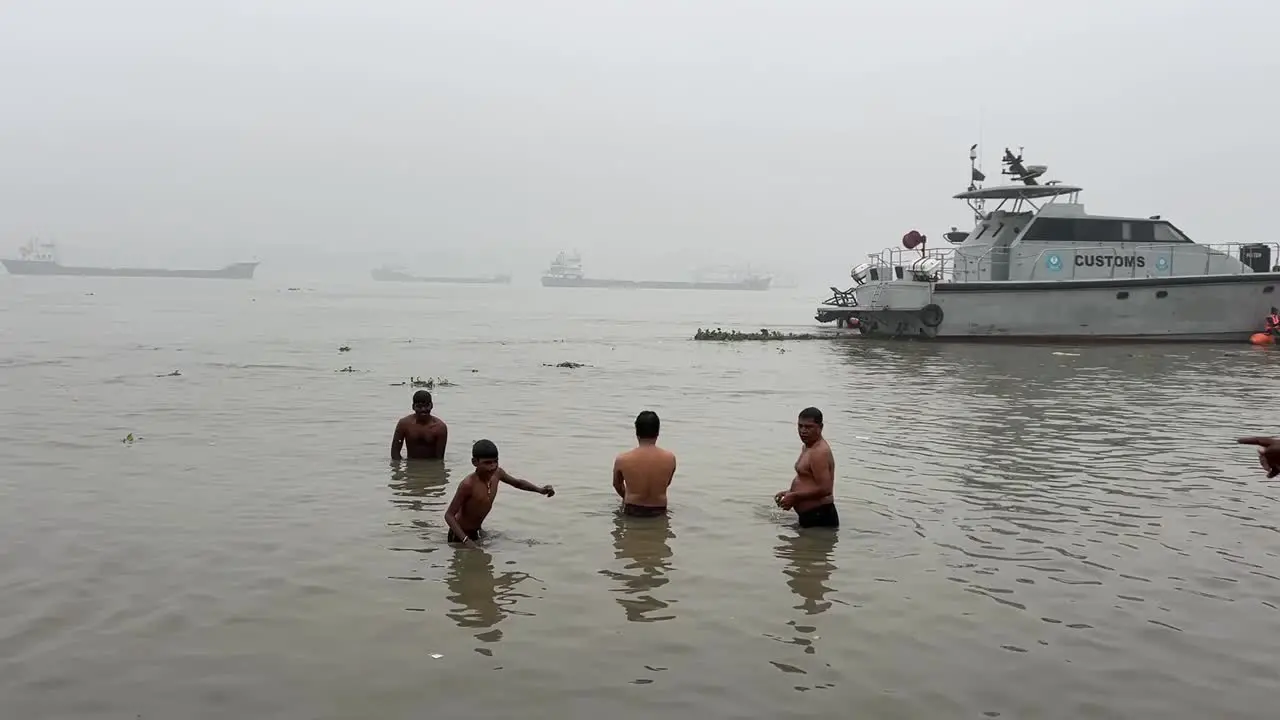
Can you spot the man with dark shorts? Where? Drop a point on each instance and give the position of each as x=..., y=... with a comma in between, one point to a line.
x=425, y=434
x=642, y=475
x=812, y=491
x=477, y=491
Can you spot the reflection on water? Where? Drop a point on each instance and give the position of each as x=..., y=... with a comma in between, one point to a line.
x=416, y=483
x=810, y=561
x=482, y=597
x=419, y=486
x=641, y=543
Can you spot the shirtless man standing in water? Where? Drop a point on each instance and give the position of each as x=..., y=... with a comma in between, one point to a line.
x=812, y=493
x=477, y=491
x=425, y=434
x=642, y=475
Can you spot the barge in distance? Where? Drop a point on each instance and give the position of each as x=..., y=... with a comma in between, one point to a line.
x=40, y=259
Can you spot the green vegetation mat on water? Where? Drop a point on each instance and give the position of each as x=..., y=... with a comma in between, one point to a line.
x=763, y=334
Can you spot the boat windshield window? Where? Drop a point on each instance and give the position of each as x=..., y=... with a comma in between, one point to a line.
x=1166, y=233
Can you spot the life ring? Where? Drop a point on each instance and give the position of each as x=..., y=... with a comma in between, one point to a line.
x=931, y=315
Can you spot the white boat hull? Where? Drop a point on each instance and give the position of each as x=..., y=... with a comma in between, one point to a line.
x=1222, y=308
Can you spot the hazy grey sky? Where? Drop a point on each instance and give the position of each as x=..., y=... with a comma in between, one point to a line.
x=797, y=135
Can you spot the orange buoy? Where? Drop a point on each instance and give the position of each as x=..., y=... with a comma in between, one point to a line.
x=1262, y=339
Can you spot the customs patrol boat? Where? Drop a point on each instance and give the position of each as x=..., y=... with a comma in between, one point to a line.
x=1038, y=267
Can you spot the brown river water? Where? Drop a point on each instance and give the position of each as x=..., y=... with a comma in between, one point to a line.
x=1029, y=532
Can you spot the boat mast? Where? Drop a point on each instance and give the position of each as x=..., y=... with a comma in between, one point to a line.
x=976, y=176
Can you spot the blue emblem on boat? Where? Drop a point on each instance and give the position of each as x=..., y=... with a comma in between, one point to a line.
x=1053, y=262
x=1162, y=263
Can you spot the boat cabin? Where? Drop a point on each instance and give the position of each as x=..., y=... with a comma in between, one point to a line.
x=565, y=266
x=36, y=251
x=1058, y=240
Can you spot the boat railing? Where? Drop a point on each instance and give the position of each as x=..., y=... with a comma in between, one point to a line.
x=899, y=261
x=1196, y=258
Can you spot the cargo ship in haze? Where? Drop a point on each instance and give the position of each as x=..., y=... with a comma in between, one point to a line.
x=566, y=271
x=40, y=258
x=389, y=274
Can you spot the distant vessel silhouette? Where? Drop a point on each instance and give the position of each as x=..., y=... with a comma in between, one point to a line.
x=37, y=258
x=566, y=271
x=389, y=274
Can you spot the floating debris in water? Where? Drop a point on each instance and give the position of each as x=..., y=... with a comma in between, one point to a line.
x=764, y=334
x=430, y=383
x=1066, y=354
x=570, y=365
x=128, y=439
x=345, y=348
x=175, y=373
x=348, y=369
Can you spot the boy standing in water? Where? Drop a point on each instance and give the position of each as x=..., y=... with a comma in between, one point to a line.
x=476, y=493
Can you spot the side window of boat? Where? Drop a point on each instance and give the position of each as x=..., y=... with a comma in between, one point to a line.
x=1045, y=229
x=1099, y=232
x=1140, y=232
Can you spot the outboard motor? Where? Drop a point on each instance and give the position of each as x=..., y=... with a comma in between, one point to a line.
x=860, y=273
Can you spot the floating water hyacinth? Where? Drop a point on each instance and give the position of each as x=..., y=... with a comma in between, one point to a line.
x=764, y=334
x=430, y=383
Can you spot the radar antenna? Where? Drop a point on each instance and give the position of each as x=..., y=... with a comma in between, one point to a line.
x=1025, y=174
